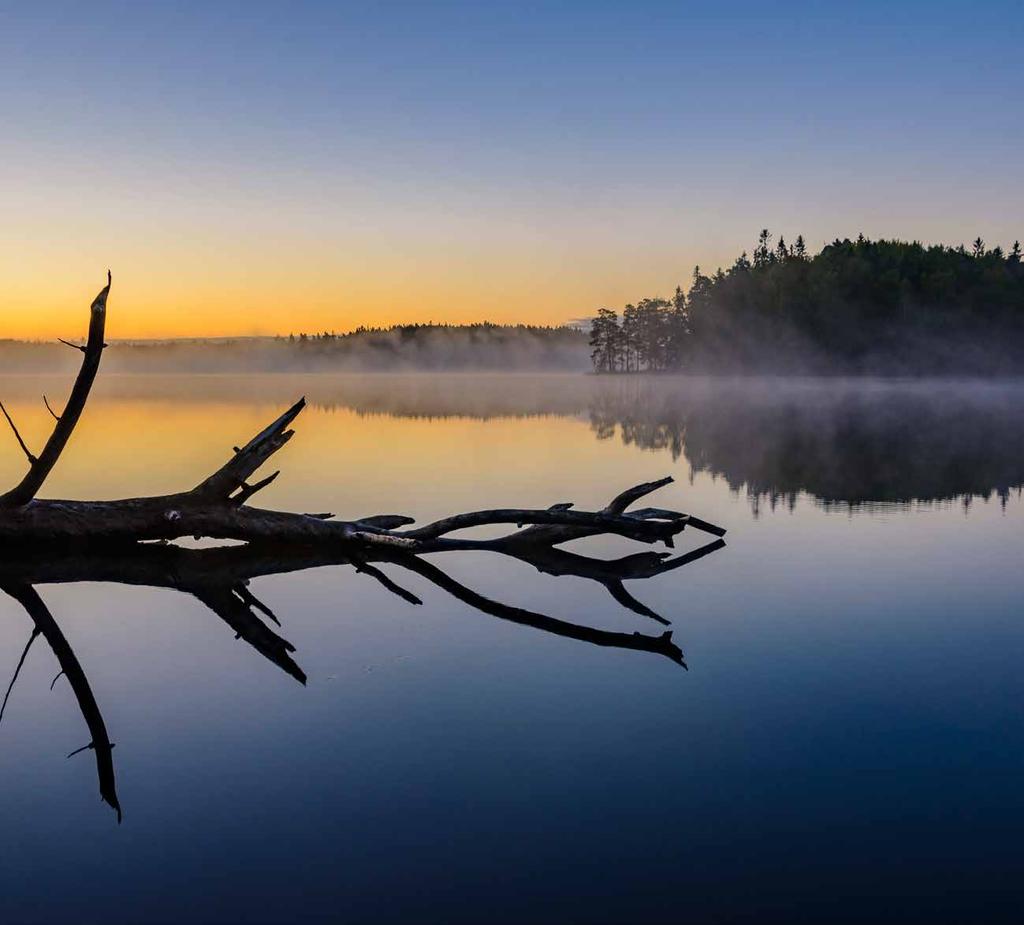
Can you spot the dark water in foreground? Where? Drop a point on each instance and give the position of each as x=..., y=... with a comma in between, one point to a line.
x=847, y=744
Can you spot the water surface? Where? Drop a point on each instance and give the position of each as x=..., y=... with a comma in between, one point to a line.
x=845, y=746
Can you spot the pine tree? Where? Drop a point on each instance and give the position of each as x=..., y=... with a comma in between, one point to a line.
x=678, y=331
x=763, y=252
x=631, y=338
x=604, y=339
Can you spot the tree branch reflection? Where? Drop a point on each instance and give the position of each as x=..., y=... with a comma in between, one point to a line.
x=220, y=578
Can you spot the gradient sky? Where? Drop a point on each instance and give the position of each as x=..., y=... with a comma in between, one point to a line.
x=267, y=167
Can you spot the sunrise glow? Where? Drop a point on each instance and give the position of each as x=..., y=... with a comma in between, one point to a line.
x=252, y=172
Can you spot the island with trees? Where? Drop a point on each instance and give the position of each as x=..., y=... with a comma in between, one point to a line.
x=857, y=306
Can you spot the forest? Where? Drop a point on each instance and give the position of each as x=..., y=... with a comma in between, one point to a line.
x=400, y=348
x=434, y=346
x=857, y=306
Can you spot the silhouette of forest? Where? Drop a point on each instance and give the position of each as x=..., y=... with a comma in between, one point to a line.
x=857, y=306
x=411, y=347
x=482, y=345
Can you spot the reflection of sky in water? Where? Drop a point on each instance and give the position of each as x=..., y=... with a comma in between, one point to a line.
x=848, y=735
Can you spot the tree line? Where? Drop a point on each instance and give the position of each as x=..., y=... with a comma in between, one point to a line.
x=431, y=346
x=478, y=330
x=857, y=305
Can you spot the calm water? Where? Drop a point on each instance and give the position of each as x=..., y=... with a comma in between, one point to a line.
x=845, y=746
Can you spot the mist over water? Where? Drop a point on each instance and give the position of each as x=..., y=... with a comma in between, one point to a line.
x=854, y=443
x=401, y=349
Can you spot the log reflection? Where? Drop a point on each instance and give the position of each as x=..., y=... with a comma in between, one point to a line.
x=220, y=578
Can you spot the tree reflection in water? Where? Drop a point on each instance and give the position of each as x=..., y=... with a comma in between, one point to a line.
x=842, y=443
x=220, y=578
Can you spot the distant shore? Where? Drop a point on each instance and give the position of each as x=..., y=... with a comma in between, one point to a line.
x=405, y=348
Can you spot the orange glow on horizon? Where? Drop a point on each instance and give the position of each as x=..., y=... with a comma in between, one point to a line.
x=220, y=285
x=45, y=307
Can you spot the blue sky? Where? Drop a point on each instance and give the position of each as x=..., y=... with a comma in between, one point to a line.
x=565, y=154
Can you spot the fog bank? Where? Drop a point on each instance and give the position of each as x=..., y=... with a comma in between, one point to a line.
x=406, y=348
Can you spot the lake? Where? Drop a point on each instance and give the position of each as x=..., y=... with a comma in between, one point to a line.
x=844, y=743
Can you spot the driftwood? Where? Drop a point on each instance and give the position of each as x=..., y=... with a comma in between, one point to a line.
x=54, y=541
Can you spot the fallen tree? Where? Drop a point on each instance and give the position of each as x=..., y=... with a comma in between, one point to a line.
x=218, y=507
x=57, y=541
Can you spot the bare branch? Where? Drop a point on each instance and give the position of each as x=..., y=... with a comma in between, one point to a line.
x=661, y=645
x=251, y=600
x=247, y=491
x=620, y=502
x=385, y=521
x=553, y=535
x=610, y=573
x=234, y=607
x=31, y=459
x=65, y=426
x=100, y=742
x=361, y=565
x=618, y=591
x=230, y=477
x=642, y=530
x=17, y=671
x=53, y=413
x=658, y=513
x=69, y=344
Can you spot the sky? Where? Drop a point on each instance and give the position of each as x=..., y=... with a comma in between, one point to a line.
x=260, y=168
